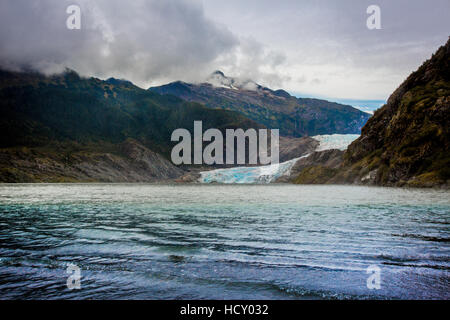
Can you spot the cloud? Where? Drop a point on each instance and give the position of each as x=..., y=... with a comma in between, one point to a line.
x=139, y=40
x=145, y=41
x=329, y=40
x=316, y=47
x=252, y=60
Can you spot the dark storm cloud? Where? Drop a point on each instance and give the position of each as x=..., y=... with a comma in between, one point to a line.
x=322, y=47
x=140, y=40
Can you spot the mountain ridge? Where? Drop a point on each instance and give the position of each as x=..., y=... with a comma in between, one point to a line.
x=294, y=116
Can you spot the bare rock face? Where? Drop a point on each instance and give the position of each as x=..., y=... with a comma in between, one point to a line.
x=190, y=177
x=151, y=164
x=291, y=148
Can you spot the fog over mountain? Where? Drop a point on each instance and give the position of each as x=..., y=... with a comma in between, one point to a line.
x=315, y=48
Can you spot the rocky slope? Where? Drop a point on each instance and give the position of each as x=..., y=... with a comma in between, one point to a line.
x=291, y=148
x=406, y=142
x=127, y=162
x=317, y=168
x=295, y=117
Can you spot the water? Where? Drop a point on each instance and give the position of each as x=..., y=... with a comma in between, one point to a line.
x=136, y=241
x=270, y=173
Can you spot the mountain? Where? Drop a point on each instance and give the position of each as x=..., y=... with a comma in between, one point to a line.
x=69, y=128
x=295, y=117
x=406, y=142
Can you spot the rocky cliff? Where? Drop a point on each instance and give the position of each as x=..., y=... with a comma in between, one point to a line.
x=129, y=161
x=406, y=142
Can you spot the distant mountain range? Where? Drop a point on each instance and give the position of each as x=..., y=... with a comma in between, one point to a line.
x=295, y=117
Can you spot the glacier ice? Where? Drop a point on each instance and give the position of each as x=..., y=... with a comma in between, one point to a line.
x=262, y=174
x=270, y=173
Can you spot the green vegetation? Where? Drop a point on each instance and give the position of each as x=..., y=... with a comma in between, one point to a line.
x=39, y=111
x=315, y=175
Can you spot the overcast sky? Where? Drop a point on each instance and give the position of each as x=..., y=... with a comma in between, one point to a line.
x=311, y=47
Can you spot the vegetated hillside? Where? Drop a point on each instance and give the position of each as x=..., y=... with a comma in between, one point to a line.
x=295, y=117
x=406, y=142
x=68, y=128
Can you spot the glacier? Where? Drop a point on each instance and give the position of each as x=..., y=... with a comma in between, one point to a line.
x=270, y=173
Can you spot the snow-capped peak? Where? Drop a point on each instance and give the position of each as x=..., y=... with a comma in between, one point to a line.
x=218, y=79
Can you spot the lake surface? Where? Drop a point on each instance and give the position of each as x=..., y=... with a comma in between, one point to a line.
x=138, y=241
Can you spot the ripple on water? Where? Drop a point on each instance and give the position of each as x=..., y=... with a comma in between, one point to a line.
x=204, y=241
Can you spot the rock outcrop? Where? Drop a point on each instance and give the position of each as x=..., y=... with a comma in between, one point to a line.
x=317, y=168
x=128, y=162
